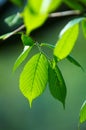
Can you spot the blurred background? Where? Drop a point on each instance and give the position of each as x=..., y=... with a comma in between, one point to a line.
x=46, y=112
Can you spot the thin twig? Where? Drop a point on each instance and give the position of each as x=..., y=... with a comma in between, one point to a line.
x=65, y=13
x=52, y=15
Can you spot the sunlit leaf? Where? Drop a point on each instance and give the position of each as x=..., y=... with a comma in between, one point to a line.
x=34, y=77
x=13, y=20
x=66, y=42
x=72, y=60
x=22, y=57
x=33, y=21
x=43, y=6
x=83, y=113
x=27, y=40
x=56, y=84
x=71, y=24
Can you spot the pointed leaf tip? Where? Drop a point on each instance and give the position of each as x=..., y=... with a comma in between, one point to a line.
x=56, y=84
x=34, y=77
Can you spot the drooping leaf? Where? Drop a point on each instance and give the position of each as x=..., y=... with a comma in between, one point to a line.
x=74, y=4
x=13, y=20
x=83, y=113
x=56, y=84
x=43, y=6
x=33, y=21
x=66, y=42
x=22, y=57
x=72, y=60
x=34, y=77
x=84, y=27
x=27, y=40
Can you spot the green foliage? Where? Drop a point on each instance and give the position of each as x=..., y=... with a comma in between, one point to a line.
x=34, y=77
x=17, y=2
x=83, y=113
x=74, y=4
x=13, y=20
x=56, y=83
x=22, y=57
x=72, y=60
x=66, y=42
x=33, y=21
x=43, y=6
x=41, y=69
x=27, y=41
x=84, y=27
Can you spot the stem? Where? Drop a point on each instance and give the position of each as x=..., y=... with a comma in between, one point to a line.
x=65, y=13
x=52, y=15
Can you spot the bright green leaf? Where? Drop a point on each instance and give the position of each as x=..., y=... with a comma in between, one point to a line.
x=33, y=21
x=34, y=77
x=13, y=20
x=83, y=113
x=84, y=27
x=71, y=24
x=72, y=60
x=22, y=57
x=27, y=40
x=66, y=42
x=43, y=6
x=56, y=84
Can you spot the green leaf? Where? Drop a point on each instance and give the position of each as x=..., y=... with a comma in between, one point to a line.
x=83, y=113
x=43, y=6
x=33, y=21
x=66, y=42
x=56, y=84
x=18, y=2
x=22, y=57
x=72, y=60
x=34, y=77
x=84, y=27
x=27, y=40
x=74, y=4
x=5, y=36
x=71, y=24
x=13, y=20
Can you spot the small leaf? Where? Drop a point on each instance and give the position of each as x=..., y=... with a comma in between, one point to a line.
x=47, y=45
x=5, y=36
x=27, y=40
x=66, y=42
x=84, y=27
x=33, y=21
x=56, y=84
x=13, y=20
x=34, y=77
x=83, y=113
x=72, y=60
x=22, y=57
